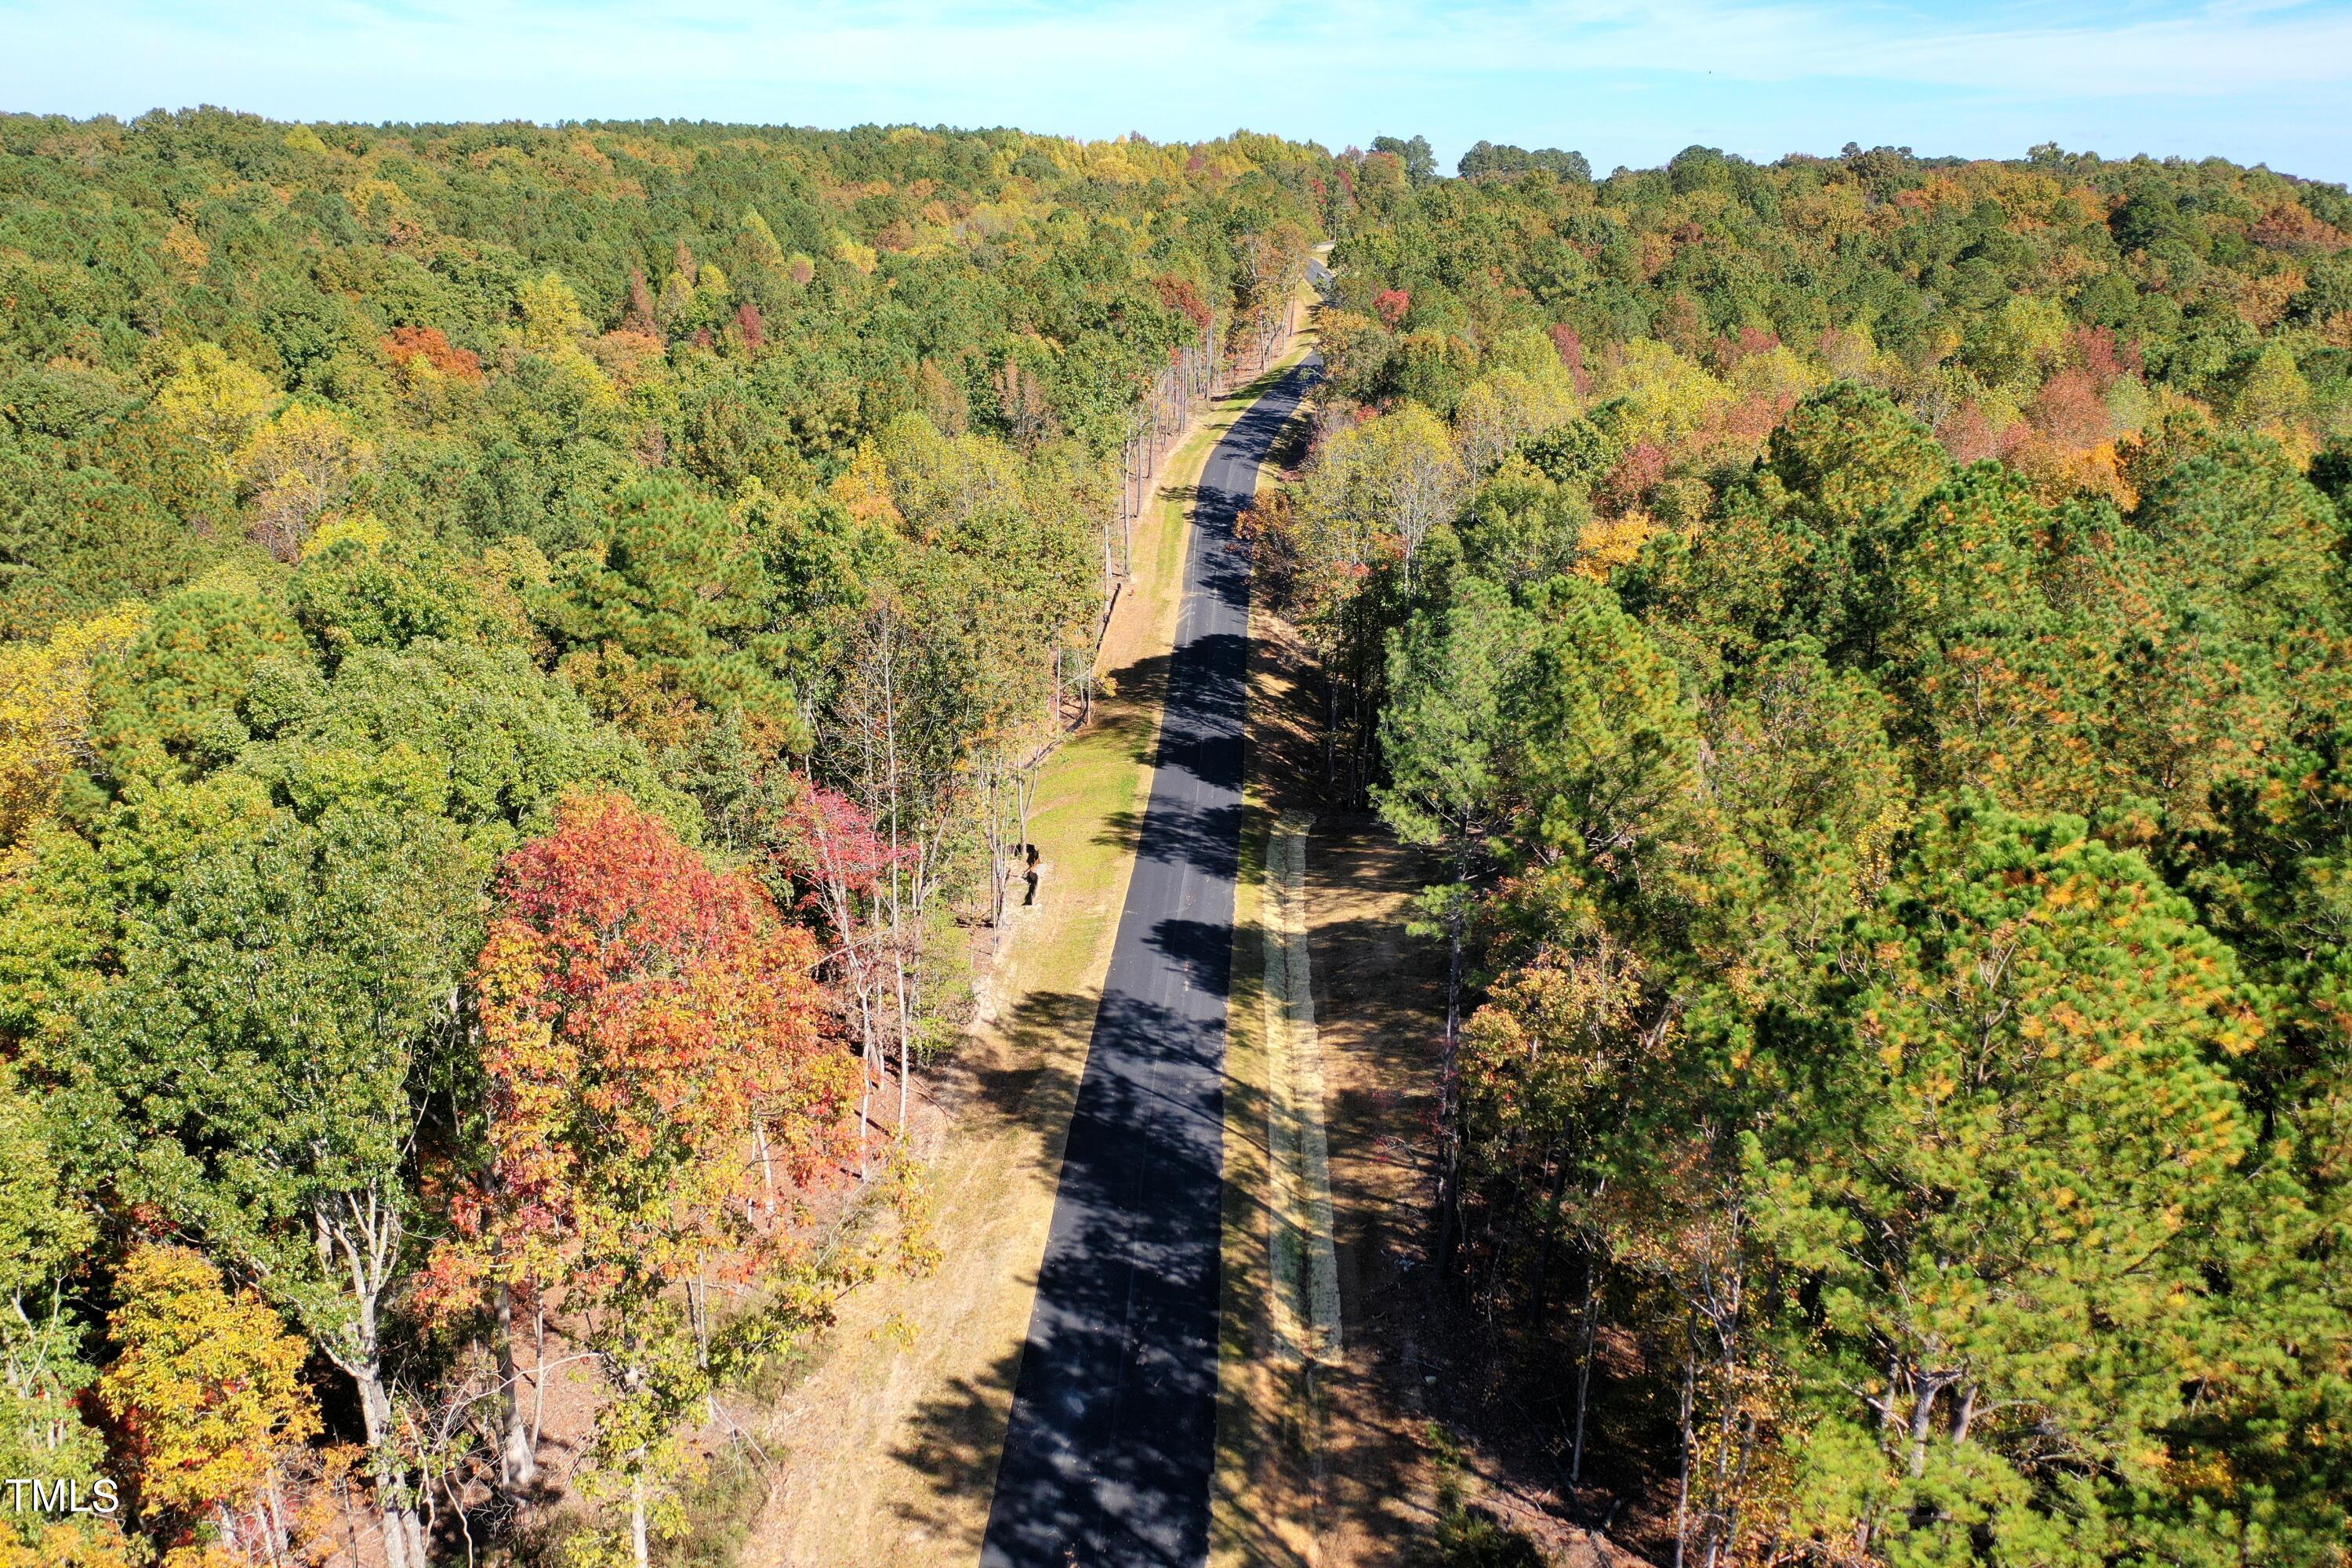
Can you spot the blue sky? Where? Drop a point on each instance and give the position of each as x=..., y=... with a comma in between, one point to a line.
x=1625, y=81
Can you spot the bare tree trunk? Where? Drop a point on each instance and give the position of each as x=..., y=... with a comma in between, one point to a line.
x=518, y=1459
x=1539, y=1292
x=351, y=1517
x=1025, y=796
x=1923, y=1414
x=358, y=1238
x=1000, y=863
x=1584, y=1365
x=867, y=1060
x=1449, y=1110
x=279, y=1534
x=401, y=1528
x=767, y=1168
x=538, y=1372
x=698, y=1306
x=1683, y=1479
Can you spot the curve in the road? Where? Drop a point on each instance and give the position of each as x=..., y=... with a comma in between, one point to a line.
x=1108, y=1458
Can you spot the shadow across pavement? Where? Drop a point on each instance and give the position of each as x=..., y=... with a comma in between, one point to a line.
x=1112, y=1438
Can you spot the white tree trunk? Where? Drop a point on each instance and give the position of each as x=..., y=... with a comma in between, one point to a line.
x=518, y=1461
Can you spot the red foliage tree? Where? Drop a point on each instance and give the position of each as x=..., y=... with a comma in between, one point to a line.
x=1570, y=348
x=1727, y=351
x=644, y=1019
x=1179, y=295
x=2093, y=351
x=1391, y=304
x=653, y=1050
x=638, y=317
x=2069, y=412
x=1635, y=473
x=752, y=325
x=1754, y=418
x=1970, y=437
x=2291, y=227
x=831, y=848
x=1682, y=324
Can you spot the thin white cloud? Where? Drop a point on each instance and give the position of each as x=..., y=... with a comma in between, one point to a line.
x=2222, y=47
x=1081, y=66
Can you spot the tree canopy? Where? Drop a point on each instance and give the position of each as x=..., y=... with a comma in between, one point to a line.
x=1871, y=690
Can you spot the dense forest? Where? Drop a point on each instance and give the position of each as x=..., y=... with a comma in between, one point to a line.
x=527, y=649
x=1863, y=644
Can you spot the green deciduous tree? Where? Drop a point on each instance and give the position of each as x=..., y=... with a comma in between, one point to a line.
x=257, y=1074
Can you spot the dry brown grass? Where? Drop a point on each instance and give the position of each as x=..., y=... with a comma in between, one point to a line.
x=1331, y=1465
x=1323, y=1463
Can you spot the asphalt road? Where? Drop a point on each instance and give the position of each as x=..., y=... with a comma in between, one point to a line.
x=1113, y=1434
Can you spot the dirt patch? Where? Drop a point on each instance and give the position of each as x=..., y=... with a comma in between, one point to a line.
x=1341, y=1463
x=1377, y=1002
x=1326, y=1463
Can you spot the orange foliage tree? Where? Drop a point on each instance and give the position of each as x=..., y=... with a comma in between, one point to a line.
x=410, y=347
x=658, y=1084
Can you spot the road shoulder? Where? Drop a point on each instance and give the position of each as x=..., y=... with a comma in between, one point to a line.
x=1320, y=1448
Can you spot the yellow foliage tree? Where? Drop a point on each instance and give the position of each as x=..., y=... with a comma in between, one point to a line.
x=68, y=1543
x=209, y=1387
x=214, y=401
x=862, y=257
x=2272, y=392
x=863, y=488
x=45, y=710
x=1505, y=408
x=1606, y=543
x=677, y=302
x=551, y=316
x=302, y=466
x=2022, y=343
x=759, y=240
x=1668, y=398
